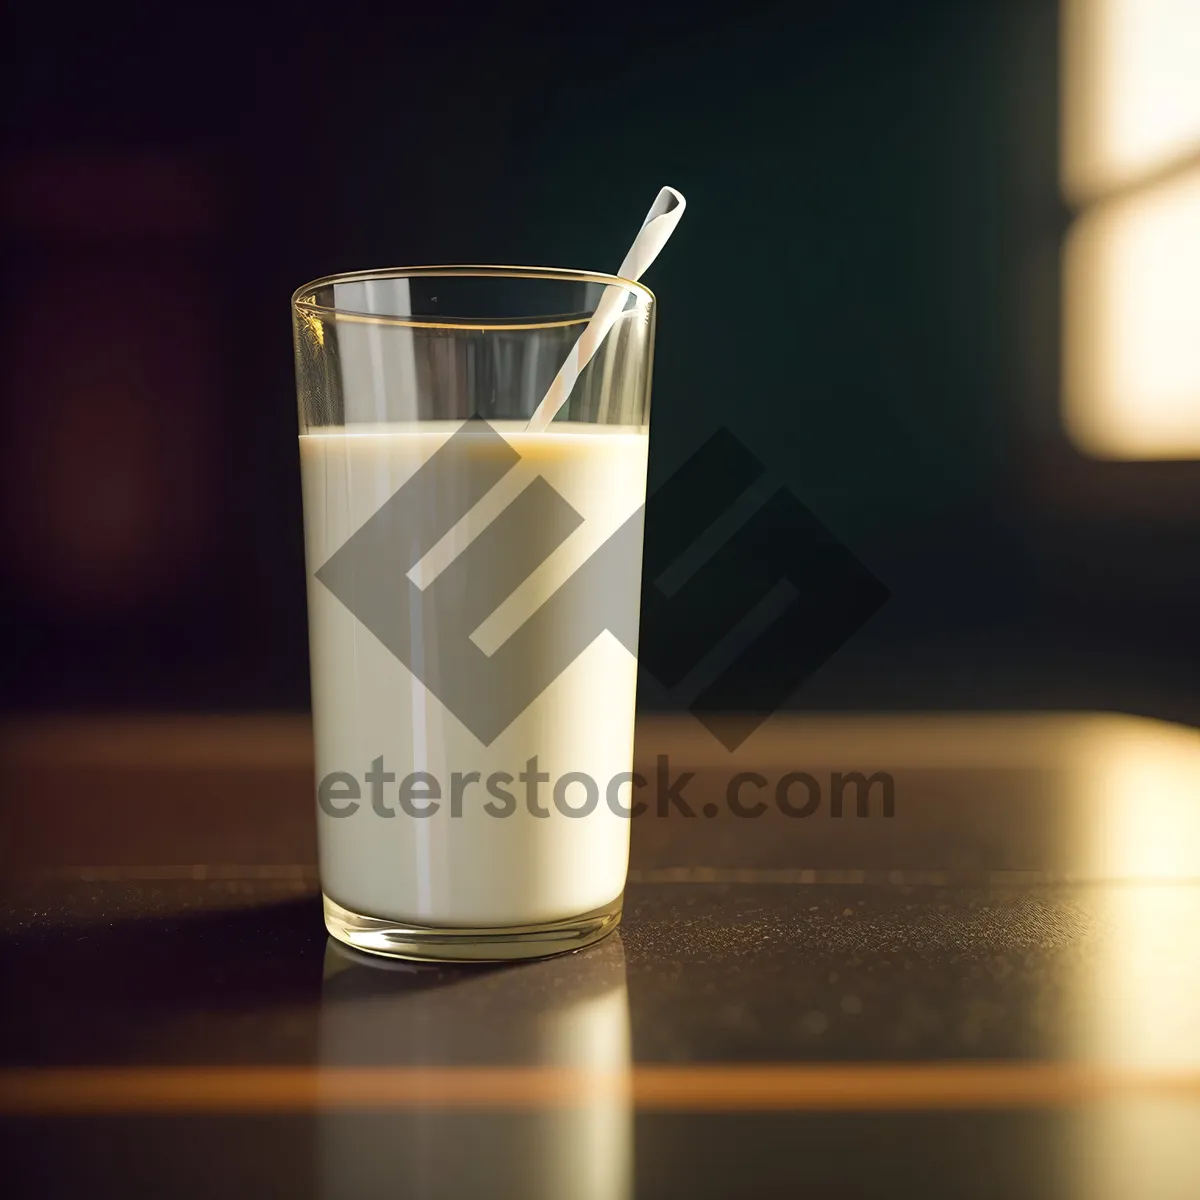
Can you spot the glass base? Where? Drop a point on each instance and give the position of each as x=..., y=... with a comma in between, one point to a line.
x=425, y=943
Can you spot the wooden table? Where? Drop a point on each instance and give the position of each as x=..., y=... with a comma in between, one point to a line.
x=993, y=992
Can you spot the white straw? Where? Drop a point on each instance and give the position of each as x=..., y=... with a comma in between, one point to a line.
x=658, y=226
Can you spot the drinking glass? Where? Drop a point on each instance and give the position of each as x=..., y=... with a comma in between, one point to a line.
x=473, y=593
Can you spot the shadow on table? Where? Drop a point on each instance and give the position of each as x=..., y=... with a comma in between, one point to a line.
x=170, y=977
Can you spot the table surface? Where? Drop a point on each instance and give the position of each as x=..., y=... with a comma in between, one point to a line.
x=994, y=991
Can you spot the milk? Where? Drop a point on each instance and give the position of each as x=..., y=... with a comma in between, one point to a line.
x=469, y=868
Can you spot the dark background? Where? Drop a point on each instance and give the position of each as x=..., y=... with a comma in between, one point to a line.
x=864, y=290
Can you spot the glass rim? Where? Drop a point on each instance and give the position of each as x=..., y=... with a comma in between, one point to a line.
x=476, y=270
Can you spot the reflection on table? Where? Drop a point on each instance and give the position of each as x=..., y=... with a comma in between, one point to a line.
x=570, y=1013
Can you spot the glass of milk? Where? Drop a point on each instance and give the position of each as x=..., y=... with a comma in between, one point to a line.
x=473, y=594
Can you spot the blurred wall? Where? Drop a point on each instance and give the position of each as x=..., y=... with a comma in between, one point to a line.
x=866, y=290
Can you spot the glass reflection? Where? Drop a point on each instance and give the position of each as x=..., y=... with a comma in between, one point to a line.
x=569, y=1013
